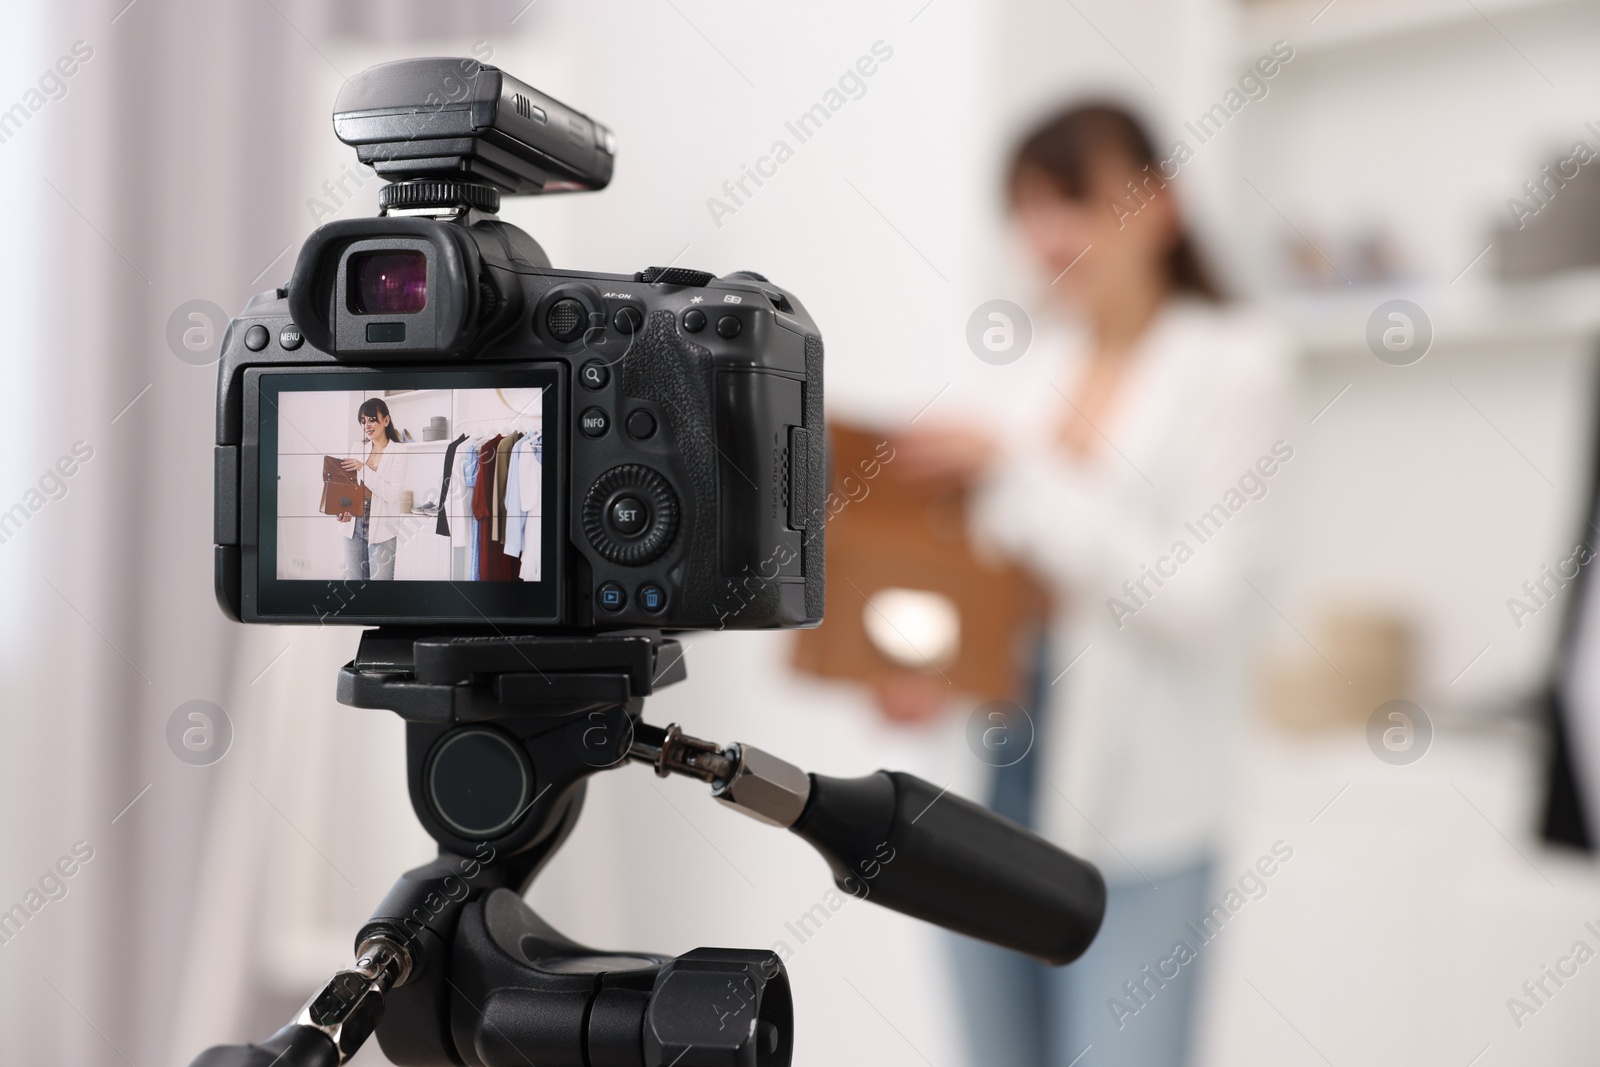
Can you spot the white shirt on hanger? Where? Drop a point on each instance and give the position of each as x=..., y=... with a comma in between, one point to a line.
x=523, y=509
x=460, y=504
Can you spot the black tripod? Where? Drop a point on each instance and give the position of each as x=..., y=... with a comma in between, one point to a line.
x=501, y=735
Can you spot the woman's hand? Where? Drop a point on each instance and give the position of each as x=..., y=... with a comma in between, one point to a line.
x=351, y=465
x=953, y=454
x=344, y=516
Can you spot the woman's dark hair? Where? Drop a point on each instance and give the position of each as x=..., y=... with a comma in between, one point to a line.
x=371, y=409
x=1065, y=150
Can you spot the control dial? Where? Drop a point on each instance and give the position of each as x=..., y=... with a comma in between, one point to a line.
x=630, y=515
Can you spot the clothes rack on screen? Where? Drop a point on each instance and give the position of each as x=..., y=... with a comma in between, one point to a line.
x=491, y=488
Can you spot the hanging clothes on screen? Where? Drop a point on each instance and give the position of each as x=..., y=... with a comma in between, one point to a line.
x=531, y=485
x=442, y=527
x=524, y=504
x=502, y=467
x=493, y=564
x=466, y=533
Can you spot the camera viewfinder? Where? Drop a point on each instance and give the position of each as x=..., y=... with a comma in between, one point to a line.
x=388, y=283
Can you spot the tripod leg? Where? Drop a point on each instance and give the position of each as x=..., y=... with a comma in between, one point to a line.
x=335, y=1021
x=402, y=957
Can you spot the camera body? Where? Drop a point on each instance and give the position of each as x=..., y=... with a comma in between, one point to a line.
x=535, y=448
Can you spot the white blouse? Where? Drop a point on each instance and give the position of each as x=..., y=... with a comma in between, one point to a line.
x=384, y=516
x=1151, y=547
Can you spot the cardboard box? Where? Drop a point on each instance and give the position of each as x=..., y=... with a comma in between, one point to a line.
x=887, y=533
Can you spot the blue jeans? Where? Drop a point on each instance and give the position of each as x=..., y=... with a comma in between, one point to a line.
x=364, y=562
x=1021, y=1013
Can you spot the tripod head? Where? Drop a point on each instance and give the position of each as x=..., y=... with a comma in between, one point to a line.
x=502, y=735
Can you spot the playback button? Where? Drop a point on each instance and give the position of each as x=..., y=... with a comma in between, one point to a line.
x=611, y=597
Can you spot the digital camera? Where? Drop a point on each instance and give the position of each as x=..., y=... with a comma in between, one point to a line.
x=431, y=425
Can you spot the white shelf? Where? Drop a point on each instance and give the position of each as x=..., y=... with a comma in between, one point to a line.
x=413, y=394
x=1350, y=24
x=1562, y=308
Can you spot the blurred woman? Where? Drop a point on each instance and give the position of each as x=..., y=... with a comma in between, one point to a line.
x=1127, y=480
x=381, y=461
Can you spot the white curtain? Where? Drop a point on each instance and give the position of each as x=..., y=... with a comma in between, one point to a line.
x=155, y=179
x=172, y=165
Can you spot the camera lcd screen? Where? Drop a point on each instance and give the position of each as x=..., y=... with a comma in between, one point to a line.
x=428, y=494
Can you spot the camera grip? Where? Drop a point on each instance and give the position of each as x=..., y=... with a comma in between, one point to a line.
x=894, y=839
x=732, y=561
x=679, y=378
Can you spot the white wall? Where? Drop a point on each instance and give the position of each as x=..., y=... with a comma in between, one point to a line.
x=310, y=426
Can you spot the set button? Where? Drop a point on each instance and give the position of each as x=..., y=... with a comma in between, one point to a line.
x=628, y=515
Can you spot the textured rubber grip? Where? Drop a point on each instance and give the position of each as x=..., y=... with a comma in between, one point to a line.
x=680, y=378
x=898, y=841
x=293, y=1046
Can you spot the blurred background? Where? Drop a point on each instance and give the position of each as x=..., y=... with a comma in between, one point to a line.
x=180, y=165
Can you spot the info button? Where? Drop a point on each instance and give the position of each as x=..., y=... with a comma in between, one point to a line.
x=594, y=423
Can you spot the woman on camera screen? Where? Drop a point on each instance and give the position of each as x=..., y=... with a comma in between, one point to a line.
x=379, y=461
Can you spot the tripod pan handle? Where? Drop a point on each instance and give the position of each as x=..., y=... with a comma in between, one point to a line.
x=293, y=1046
x=894, y=839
